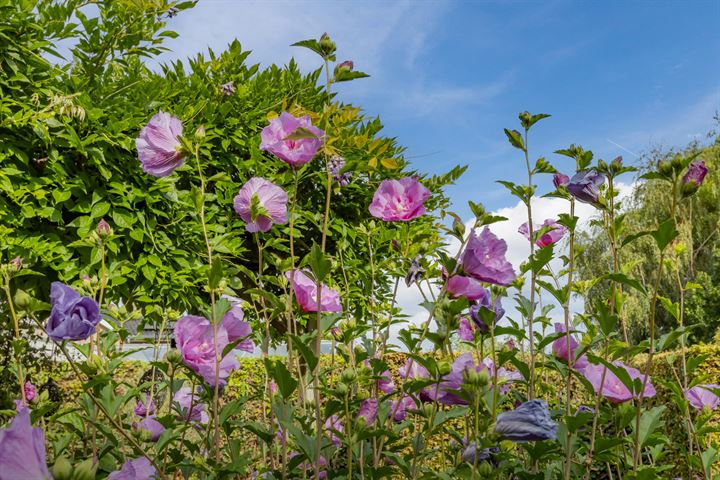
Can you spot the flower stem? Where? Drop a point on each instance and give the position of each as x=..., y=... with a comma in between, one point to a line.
x=216, y=391
x=16, y=325
x=571, y=356
x=533, y=279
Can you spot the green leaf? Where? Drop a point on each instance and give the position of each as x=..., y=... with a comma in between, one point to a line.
x=649, y=422
x=282, y=376
x=310, y=44
x=665, y=233
x=305, y=352
x=515, y=139
x=216, y=273
x=318, y=261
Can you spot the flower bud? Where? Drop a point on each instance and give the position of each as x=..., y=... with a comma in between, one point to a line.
x=173, y=356
x=327, y=46
x=85, y=470
x=485, y=469
x=616, y=164
x=200, y=132
x=22, y=299
x=664, y=168
x=95, y=362
x=16, y=263
x=444, y=367
x=348, y=375
x=483, y=378
x=103, y=228
x=62, y=469
x=341, y=389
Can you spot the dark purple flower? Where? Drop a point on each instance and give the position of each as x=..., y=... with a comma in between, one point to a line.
x=529, y=422
x=480, y=311
x=703, y=396
x=585, y=186
x=368, y=410
x=334, y=427
x=415, y=273
x=560, y=349
x=30, y=391
x=158, y=145
x=228, y=89
x=137, y=469
x=560, y=180
x=73, y=317
x=296, y=151
x=484, y=259
x=468, y=287
x=399, y=200
x=613, y=389
x=694, y=177
x=22, y=450
x=551, y=236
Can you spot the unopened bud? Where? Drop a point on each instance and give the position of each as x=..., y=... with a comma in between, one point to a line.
x=485, y=469
x=16, y=263
x=444, y=367
x=103, y=228
x=327, y=46
x=95, y=362
x=483, y=379
x=22, y=299
x=173, y=356
x=200, y=132
x=348, y=375
x=62, y=469
x=85, y=470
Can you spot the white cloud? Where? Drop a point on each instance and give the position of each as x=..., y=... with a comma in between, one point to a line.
x=409, y=299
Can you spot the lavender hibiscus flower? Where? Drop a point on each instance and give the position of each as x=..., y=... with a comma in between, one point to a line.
x=399, y=200
x=261, y=204
x=703, y=396
x=613, y=389
x=553, y=235
x=73, y=317
x=137, y=469
x=305, y=290
x=484, y=259
x=196, y=342
x=560, y=348
x=295, y=152
x=22, y=449
x=158, y=145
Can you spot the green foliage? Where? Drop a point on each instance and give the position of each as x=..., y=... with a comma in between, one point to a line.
x=692, y=262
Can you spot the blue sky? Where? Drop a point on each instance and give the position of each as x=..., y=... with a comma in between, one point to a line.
x=618, y=77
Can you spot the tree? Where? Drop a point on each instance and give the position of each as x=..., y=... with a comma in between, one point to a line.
x=694, y=279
